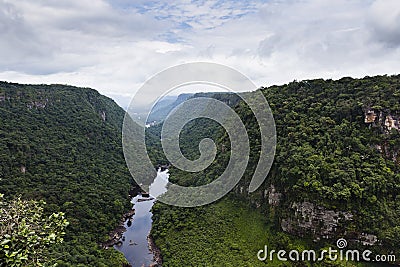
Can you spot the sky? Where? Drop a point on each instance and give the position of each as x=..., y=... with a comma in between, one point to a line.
x=114, y=46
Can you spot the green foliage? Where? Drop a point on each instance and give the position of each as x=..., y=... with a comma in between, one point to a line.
x=26, y=233
x=63, y=144
x=326, y=154
x=225, y=233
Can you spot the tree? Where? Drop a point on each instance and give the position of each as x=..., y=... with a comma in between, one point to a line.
x=26, y=232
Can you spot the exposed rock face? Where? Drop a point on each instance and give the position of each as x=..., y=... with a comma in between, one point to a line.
x=308, y=218
x=368, y=239
x=321, y=223
x=157, y=258
x=241, y=190
x=103, y=115
x=370, y=116
x=391, y=123
x=386, y=123
x=274, y=197
x=384, y=120
x=38, y=104
x=305, y=218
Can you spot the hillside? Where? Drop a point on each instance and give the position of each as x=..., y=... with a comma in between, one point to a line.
x=62, y=144
x=336, y=174
x=164, y=106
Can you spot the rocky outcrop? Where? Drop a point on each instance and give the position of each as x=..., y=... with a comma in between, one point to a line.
x=157, y=258
x=386, y=122
x=38, y=104
x=392, y=123
x=274, y=196
x=309, y=219
x=116, y=235
x=103, y=115
x=370, y=116
x=367, y=239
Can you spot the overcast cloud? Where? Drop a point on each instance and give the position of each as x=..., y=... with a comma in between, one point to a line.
x=115, y=45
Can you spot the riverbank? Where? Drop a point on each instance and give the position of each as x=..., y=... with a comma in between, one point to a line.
x=157, y=257
x=132, y=237
x=227, y=232
x=116, y=234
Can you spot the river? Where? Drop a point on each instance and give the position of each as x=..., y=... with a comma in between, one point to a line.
x=134, y=241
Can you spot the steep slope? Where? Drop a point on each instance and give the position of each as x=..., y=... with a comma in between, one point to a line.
x=63, y=144
x=336, y=172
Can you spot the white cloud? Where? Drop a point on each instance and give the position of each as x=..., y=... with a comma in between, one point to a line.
x=384, y=19
x=115, y=45
x=46, y=37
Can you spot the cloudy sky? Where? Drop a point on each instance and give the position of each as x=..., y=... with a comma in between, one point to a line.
x=115, y=45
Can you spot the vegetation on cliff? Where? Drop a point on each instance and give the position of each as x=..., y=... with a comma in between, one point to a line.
x=62, y=144
x=338, y=148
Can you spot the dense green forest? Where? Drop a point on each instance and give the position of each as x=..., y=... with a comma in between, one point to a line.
x=62, y=144
x=336, y=174
x=337, y=154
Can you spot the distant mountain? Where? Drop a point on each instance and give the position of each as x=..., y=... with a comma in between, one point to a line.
x=165, y=105
x=63, y=144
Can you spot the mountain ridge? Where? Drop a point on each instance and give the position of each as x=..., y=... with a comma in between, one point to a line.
x=62, y=144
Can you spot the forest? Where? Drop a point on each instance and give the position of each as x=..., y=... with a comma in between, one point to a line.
x=62, y=145
x=337, y=152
